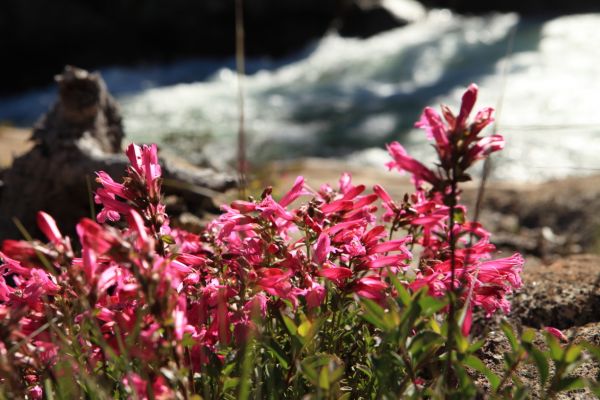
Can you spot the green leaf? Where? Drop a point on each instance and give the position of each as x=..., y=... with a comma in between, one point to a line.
x=364, y=369
x=539, y=358
x=424, y=340
x=478, y=365
x=462, y=343
x=289, y=324
x=473, y=347
x=309, y=372
x=528, y=335
x=168, y=239
x=304, y=328
x=459, y=215
x=431, y=305
x=324, y=378
x=403, y=293
x=187, y=340
x=573, y=353
x=48, y=391
x=569, y=383
x=556, y=352
x=593, y=349
x=521, y=393
x=594, y=387
x=510, y=335
x=310, y=365
x=276, y=351
x=230, y=383
x=374, y=314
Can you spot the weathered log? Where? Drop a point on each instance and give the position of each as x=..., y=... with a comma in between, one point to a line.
x=81, y=134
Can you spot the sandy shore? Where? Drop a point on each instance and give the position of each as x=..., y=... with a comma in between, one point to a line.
x=13, y=143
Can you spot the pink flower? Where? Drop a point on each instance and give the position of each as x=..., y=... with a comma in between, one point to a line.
x=113, y=187
x=315, y=295
x=556, y=333
x=435, y=129
x=294, y=193
x=48, y=227
x=385, y=197
x=5, y=290
x=179, y=317
x=335, y=274
x=484, y=147
x=322, y=249
x=35, y=392
x=468, y=102
x=404, y=162
x=371, y=288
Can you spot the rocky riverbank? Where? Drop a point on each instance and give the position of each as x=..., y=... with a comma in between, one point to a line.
x=556, y=225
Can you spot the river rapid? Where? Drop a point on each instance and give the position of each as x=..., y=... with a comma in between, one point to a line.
x=346, y=98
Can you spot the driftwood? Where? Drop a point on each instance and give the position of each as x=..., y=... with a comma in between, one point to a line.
x=81, y=134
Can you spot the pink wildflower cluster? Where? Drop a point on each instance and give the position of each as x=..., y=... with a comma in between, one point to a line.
x=456, y=252
x=172, y=299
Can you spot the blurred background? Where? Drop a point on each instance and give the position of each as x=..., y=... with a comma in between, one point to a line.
x=325, y=78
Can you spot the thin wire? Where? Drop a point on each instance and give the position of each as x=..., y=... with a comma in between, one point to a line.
x=543, y=128
x=240, y=66
x=487, y=164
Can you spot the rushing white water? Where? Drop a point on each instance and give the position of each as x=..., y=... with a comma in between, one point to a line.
x=348, y=97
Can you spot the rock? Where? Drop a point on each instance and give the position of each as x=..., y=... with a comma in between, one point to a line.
x=85, y=113
x=367, y=18
x=81, y=134
x=564, y=295
x=533, y=7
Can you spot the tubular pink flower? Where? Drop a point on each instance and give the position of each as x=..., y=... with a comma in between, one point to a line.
x=179, y=317
x=505, y=272
x=337, y=206
x=468, y=102
x=296, y=191
x=315, y=295
x=322, y=249
x=387, y=261
x=5, y=290
x=243, y=206
x=434, y=128
x=384, y=196
x=335, y=273
x=95, y=236
x=353, y=191
x=48, y=226
x=403, y=162
x=371, y=288
x=111, y=186
x=484, y=147
x=365, y=201
x=35, y=392
x=134, y=153
x=345, y=183
x=14, y=266
x=482, y=119
x=392, y=245
x=152, y=170
x=137, y=223
x=556, y=333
